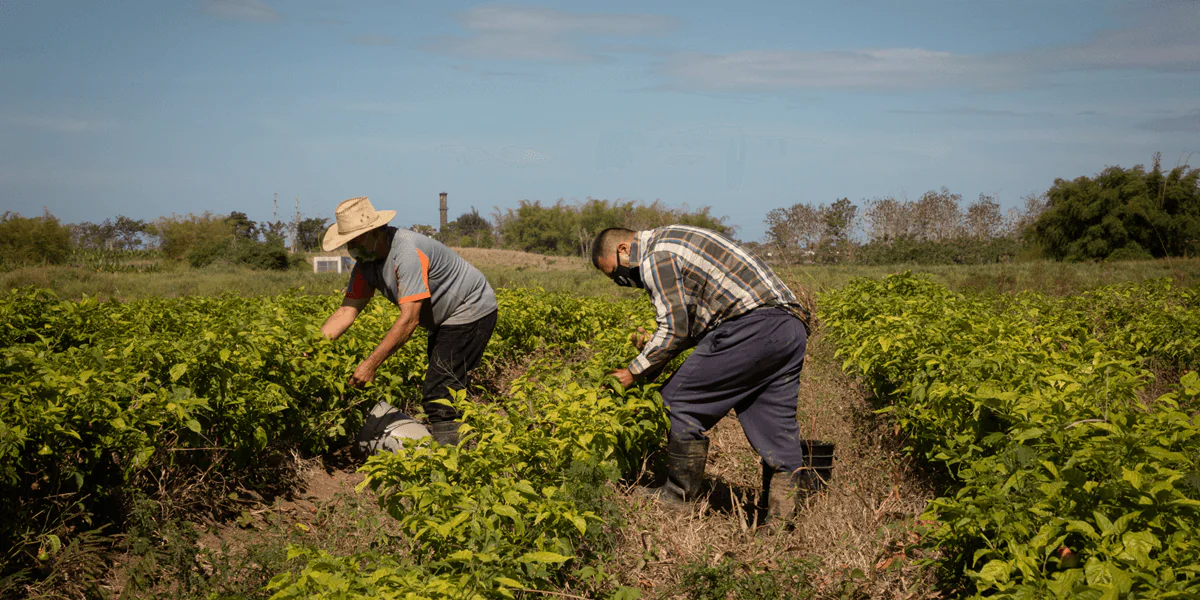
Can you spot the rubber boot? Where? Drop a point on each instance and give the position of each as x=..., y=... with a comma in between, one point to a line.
x=685, y=472
x=446, y=432
x=781, y=489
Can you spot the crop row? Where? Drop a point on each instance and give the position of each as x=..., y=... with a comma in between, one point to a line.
x=93, y=395
x=1071, y=479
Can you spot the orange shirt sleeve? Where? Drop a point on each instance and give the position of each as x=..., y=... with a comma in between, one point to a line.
x=413, y=281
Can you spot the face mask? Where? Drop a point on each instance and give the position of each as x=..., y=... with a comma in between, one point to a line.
x=361, y=254
x=628, y=277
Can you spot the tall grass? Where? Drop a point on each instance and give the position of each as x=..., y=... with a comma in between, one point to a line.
x=512, y=269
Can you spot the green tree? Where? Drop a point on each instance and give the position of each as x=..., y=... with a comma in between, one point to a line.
x=565, y=229
x=33, y=240
x=425, y=230
x=1122, y=213
x=309, y=233
x=178, y=234
x=542, y=229
x=243, y=227
x=469, y=230
x=839, y=219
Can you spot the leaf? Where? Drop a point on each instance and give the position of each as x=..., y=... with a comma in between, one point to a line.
x=278, y=580
x=1082, y=527
x=995, y=571
x=506, y=511
x=177, y=371
x=579, y=523
x=512, y=583
x=544, y=557
x=1138, y=545
x=1029, y=434
x=445, y=528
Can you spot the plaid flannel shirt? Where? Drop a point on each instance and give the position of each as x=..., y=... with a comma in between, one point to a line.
x=698, y=279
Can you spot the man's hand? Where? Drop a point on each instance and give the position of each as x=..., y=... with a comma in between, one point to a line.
x=623, y=376
x=364, y=374
x=639, y=338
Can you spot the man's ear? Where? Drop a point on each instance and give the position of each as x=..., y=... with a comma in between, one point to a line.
x=623, y=248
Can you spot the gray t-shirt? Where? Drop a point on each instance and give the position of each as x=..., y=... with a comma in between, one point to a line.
x=418, y=267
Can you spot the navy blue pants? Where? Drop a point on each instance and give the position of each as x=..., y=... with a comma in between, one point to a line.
x=750, y=365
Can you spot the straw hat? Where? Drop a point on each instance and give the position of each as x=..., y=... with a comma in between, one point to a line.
x=355, y=217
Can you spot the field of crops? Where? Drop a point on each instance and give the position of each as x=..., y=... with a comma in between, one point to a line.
x=1071, y=475
x=1062, y=427
x=99, y=397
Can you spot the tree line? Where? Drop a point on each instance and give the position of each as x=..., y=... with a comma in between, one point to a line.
x=1117, y=214
x=565, y=229
x=200, y=240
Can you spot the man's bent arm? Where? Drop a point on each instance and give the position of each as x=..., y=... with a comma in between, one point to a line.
x=343, y=317
x=664, y=281
x=398, y=334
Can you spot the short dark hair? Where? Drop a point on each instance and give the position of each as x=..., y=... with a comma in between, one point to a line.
x=606, y=242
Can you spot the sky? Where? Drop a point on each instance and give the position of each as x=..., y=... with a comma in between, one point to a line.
x=151, y=108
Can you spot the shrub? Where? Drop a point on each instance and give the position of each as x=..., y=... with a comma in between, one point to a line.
x=33, y=240
x=249, y=253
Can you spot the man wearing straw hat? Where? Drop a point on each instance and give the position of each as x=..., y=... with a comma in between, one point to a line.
x=434, y=288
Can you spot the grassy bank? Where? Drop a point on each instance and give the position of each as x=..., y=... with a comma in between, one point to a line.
x=1047, y=277
x=511, y=269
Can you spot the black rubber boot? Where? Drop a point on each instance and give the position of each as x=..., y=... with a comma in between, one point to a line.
x=781, y=490
x=685, y=472
x=445, y=433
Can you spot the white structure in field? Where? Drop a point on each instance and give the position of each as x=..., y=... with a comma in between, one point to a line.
x=332, y=264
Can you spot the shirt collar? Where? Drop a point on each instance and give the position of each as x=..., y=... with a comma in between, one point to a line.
x=641, y=239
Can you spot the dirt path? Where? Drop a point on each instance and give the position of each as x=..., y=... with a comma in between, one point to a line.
x=852, y=540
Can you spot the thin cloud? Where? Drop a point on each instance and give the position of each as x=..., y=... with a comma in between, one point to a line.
x=892, y=68
x=1187, y=122
x=496, y=74
x=65, y=125
x=374, y=39
x=539, y=34
x=242, y=10
x=393, y=108
x=968, y=111
x=508, y=156
x=1162, y=39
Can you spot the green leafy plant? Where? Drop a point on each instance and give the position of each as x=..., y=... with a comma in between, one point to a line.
x=1068, y=482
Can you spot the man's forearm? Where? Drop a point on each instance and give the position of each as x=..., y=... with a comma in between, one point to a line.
x=396, y=337
x=339, y=322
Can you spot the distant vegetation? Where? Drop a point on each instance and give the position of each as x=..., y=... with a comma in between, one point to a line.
x=563, y=229
x=1122, y=214
x=1119, y=214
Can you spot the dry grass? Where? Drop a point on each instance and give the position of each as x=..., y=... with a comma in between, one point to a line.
x=866, y=520
x=1047, y=277
x=510, y=268
x=514, y=259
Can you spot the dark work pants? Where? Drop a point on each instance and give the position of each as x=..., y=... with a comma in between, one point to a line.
x=750, y=365
x=454, y=350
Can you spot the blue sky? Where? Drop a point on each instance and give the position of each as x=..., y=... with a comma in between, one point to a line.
x=148, y=108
